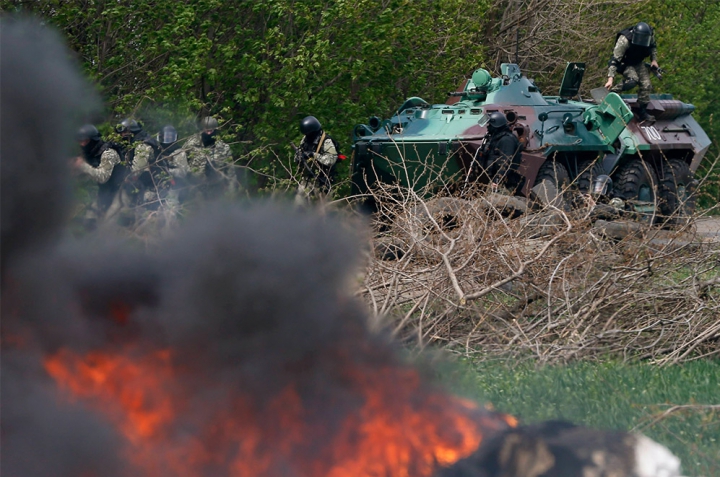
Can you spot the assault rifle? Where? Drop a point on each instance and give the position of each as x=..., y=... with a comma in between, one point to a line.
x=302, y=157
x=656, y=70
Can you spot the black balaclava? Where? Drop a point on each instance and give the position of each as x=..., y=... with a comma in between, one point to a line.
x=493, y=130
x=208, y=139
x=91, y=148
x=169, y=148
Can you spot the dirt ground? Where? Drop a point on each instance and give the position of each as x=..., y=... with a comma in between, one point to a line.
x=709, y=227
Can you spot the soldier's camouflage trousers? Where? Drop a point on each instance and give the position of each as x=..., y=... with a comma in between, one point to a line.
x=636, y=75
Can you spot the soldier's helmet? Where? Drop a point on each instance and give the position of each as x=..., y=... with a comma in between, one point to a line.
x=87, y=132
x=167, y=135
x=128, y=126
x=310, y=125
x=642, y=34
x=497, y=121
x=208, y=123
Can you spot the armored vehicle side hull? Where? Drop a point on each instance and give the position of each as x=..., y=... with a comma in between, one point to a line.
x=430, y=148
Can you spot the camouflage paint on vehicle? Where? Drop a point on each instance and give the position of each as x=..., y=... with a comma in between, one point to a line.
x=426, y=147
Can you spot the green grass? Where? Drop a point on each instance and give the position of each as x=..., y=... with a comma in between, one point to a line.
x=609, y=395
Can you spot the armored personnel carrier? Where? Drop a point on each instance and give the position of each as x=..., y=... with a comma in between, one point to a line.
x=572, y=142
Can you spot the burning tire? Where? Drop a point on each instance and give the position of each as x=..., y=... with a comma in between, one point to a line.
x=554, y=172
x=677, y=190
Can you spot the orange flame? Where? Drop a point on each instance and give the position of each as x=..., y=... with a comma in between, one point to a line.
x=393, y=430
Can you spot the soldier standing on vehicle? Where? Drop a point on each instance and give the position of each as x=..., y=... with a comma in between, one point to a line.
x=501, y=153
x=632, y=46
x=100, y=161
x=210, y=160
x=317, y=156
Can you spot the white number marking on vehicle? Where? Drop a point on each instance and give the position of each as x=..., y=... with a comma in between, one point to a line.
x=651, y=133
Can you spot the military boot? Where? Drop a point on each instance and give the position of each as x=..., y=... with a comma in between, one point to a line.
x=643, y=115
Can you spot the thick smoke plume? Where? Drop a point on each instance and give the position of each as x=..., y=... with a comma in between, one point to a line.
x=41, y=93
x=232, y=349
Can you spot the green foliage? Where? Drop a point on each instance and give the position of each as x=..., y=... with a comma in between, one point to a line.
x=610, y=395
x=260, y=66
x=688, y=44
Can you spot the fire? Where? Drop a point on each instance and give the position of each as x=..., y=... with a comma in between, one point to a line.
x=384, y=424
x=127, y=385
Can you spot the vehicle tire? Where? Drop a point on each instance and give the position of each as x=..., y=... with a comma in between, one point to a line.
x=677, y=190
x=637, y=181
x=589, y=171
x=554, y=172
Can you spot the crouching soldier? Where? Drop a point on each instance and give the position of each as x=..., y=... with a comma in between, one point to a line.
x=632, y=46
x=317, y=156
x=501, y=153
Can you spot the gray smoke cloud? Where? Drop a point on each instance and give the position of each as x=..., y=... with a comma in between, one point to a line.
x=252, y=303
x=42, y=97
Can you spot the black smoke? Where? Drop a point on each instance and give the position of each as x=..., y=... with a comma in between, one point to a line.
x=42, y=97
x=252, y=301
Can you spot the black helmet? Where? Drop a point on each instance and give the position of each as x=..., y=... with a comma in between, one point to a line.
x=497, y=120
x=167, y=135
x=88, y=132
x=128, y=125
x=642, y=34
x=209, y=123
x=310, y=125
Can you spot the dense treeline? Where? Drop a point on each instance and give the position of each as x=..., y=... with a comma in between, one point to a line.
x=261, y=65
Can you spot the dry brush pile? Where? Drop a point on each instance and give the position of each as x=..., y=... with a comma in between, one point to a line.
x=548, y=284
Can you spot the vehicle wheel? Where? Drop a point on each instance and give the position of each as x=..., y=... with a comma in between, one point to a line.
x=589, y=171
x=637, y=181
x=554, y=172
x=677, y=190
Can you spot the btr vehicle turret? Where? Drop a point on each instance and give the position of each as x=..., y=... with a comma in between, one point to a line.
x=572, y=142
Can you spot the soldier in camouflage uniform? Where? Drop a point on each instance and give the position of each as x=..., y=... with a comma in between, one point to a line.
x=171, y=164
x=632, y=46
x=168, y=173
x=143, y=147
x=139, y=189
x=209, y=160
x=317, y=155
x=501, y=154
x=102, y=163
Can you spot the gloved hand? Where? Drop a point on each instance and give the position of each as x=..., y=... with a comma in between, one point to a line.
x=301, y=156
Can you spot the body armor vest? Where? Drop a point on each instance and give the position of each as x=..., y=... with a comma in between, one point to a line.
x=635, y=54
